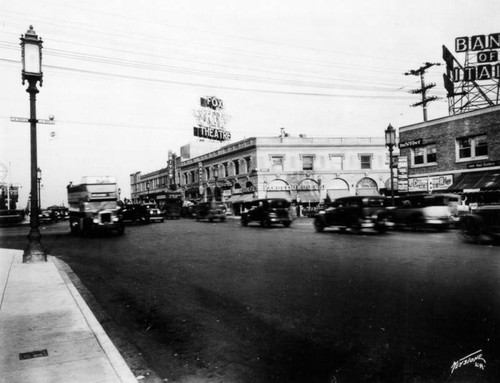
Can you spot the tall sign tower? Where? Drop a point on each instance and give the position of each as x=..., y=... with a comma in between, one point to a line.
x=475, y=82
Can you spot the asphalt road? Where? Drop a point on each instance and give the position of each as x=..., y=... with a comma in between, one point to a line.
x=217, y=302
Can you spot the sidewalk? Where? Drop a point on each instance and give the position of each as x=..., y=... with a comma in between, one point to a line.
x=47, y=331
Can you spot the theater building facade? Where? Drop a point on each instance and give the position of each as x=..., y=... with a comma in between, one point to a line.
x=459, y=154
x=304, y=170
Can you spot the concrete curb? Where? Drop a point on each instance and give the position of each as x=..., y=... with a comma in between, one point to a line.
x=47, y=330
x=118, y=363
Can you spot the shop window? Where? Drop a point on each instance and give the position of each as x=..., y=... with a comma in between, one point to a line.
x=472, y=147
x=366, y=161
x=424, y=155
x=207, y=172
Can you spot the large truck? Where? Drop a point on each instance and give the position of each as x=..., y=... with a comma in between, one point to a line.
x=93, y=206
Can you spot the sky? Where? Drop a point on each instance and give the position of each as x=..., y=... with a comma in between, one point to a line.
x=123, y=78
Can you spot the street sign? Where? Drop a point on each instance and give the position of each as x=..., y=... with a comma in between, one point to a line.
x=40, y=121
x=19, y=119
x=48, y=122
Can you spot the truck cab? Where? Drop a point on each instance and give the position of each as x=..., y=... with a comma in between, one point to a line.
x=93, y=206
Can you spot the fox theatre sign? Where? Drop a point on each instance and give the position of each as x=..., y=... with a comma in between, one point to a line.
x=211, y=120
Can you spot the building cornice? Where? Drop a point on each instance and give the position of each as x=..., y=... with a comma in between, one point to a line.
x=456, y=117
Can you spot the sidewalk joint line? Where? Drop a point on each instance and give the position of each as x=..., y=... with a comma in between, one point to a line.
x=6, y=282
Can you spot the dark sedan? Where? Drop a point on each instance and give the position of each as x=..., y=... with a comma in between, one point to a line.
x=356, y=213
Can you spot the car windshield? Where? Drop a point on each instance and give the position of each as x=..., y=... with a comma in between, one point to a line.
x=440, y=200
x=101, y=205
x=279, y=203
x=375, y=202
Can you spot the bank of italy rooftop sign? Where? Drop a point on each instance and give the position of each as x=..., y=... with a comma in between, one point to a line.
x=474, y=82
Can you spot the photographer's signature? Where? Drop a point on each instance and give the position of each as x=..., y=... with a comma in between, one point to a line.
x=475, y=358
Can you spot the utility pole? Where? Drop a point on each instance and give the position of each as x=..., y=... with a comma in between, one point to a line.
x=423, y=87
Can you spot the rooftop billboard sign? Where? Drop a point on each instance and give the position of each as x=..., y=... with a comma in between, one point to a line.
x=211, y=119
x=475, y=82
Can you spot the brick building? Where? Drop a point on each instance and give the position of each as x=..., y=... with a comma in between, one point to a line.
x=459, y=153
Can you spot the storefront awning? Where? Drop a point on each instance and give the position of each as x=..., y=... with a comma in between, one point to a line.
x=279, y=194
x=240, y=198
x=485, y=180
x=307, y=196
x=367, y=191
x=337, y=193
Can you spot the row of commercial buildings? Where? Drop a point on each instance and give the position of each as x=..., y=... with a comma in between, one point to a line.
x=459, y=153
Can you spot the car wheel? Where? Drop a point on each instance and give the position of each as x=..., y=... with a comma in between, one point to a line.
x=319, y=224
x=74, y=227
x=355, y=226
x=223, y=219
x=287, y=223
x=416, y=222
x=380, y=227
x=244, y=221
x=470, y=230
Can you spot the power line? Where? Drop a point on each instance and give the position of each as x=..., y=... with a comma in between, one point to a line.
x=192, y=84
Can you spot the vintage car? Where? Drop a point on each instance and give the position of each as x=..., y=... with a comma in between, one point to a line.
x=482, y=226
x=268, y=211
x=172, y=211
x=155, y=215
x=135, y=213
x=425, y=211
x=47, y=215
x=356, y=213
x=61, y=212
x=211, y=210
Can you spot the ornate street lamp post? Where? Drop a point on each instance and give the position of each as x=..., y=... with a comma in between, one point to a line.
x=147, y=189
x=31, y=50
x=390, y=141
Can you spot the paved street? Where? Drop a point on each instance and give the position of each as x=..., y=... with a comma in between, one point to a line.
x=213, y=302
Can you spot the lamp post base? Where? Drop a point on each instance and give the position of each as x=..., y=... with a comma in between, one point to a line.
x=34, y=253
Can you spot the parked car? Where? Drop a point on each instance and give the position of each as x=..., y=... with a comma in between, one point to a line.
x=268, y=211
x=211, y=210
x=424, y=211
x=172, y=211
x=356, y=213
x=61, y=212
x=47, y=215
x=481, y=226
x=156, y=215
x=135, y=213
